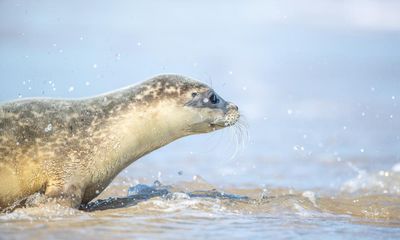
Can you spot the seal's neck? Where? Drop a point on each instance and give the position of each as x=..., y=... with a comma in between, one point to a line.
x=149, y=128
x=138, y=130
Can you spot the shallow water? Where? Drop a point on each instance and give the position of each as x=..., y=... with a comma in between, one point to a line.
x=367, y=207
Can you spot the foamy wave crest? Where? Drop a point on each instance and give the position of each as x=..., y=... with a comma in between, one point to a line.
x=382, y=182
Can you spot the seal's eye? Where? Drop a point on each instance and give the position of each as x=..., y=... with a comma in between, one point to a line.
x=214, y=99
x=194, y=94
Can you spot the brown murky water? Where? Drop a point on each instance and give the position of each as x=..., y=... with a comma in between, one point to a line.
x=366, y=208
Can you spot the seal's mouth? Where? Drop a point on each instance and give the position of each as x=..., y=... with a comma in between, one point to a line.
x=230, y=119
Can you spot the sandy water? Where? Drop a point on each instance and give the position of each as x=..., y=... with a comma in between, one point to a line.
x=366, y=207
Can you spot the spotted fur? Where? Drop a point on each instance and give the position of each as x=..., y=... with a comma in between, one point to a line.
x=73, y=148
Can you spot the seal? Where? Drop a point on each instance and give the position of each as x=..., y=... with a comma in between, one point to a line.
x=70, y=150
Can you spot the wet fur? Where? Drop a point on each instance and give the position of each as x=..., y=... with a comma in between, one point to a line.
x=71, y=150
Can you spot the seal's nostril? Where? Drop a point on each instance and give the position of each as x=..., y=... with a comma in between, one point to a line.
x=233, y=106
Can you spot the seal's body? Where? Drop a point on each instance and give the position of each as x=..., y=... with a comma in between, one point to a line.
x=70, y=150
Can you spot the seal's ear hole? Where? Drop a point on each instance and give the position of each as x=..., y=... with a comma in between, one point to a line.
x=194, y=94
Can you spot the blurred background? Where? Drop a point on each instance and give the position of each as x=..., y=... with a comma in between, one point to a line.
x=317, y=81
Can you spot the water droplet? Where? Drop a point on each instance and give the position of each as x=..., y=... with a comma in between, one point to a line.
x=48, y=128
x=71, y=89
x=290, y=111
x=396, y=167
x=95, y=65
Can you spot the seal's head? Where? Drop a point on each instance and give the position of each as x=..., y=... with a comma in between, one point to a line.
x=197, y=107
x=209, y=111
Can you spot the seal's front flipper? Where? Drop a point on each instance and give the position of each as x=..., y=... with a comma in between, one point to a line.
x=67, y=195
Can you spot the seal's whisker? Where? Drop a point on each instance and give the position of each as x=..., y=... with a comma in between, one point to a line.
x=243, y=125
x=240, y=137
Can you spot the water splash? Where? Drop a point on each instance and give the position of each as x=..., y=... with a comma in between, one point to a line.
x=142, y=192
